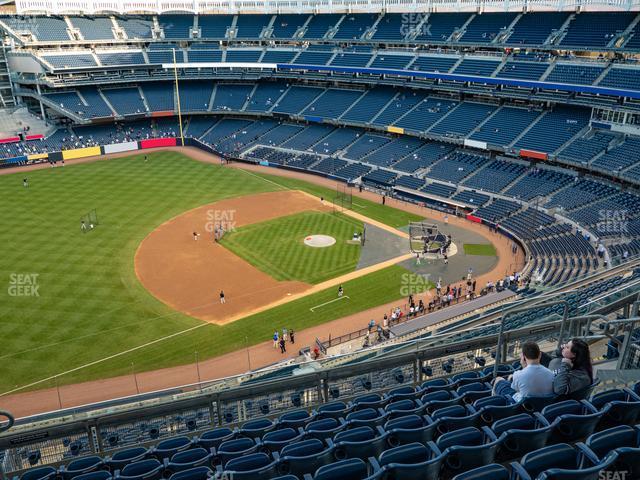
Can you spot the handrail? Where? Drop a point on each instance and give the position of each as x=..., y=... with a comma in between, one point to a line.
x=510, y=313
x=6, y=425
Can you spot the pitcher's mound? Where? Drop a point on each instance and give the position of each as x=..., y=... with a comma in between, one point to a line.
x=319, y=241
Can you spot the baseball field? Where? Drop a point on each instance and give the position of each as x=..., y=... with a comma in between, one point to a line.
x=74, y=308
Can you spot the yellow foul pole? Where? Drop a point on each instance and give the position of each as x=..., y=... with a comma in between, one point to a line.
x=175, y=75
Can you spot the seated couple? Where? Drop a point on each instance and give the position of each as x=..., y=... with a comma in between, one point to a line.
x=570, y=371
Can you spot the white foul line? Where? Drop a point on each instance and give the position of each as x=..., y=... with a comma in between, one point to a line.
x=327, y=303
x=103, y=359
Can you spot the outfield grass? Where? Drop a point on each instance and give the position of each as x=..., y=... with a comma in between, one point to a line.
x=376, y=211
x=485, y=249
x=276, y=246
x=365, y=292
x=90, y=304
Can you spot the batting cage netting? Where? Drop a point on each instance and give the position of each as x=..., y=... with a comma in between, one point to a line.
x=89, y=221
x=427, y=238
x=343, y=198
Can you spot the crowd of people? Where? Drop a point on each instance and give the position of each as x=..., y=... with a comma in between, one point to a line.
x=280, y=339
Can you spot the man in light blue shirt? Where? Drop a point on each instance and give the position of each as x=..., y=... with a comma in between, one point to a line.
x=533, y=380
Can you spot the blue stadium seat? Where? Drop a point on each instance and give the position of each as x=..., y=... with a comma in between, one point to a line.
x=233, y=449
x=471, y=392
x=537, y=403
x=256, y=428
x=372, y=400
x=196, y=457
x=276, y=440
x=455, y=417
x=96, y=475
x=197, y=473
x=81, y=466
x=620, y=407
x=213, y=438
x=40, y=473
x=437, y=384
x=467, y=448
x=119, y=459
x=439, y=399
x=495, y=407
x=521, y=434
x=368, y=417
x=409, y=462
x=404, y=407
x=493, y=471
x=410, y=429
x=401, y=393
x=304, y=457
x=332, y=410
x=350, y=469
x=255, y=466
x=624, y=441
x=295, y=419
x=323, y=429
x=167, y=448
x=571, y=420
x=561, y=461
x=361, y=442
x=150, y=469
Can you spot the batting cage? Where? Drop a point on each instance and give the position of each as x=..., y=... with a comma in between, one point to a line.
x=427, y=238
x=343, y=199
x=89, y=221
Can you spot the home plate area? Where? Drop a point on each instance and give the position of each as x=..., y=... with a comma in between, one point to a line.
x=319, y=241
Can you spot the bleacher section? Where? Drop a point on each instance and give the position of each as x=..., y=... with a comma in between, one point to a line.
x=505, y=126
x=564, y=122
x=593, y=29
x=455, y=167
x=535, y=28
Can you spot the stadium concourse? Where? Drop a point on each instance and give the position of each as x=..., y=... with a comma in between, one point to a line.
x=262, y=355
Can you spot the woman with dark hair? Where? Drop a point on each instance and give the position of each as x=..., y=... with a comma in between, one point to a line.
x=572, y=368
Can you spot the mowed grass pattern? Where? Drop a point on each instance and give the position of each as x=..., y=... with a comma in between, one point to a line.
x=90, y=304
x=277, y=246
x=483, y=249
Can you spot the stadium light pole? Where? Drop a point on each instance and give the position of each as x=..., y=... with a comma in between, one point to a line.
x=175, y=75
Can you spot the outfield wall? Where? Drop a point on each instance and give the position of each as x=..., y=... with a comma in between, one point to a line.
x=76, y=153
